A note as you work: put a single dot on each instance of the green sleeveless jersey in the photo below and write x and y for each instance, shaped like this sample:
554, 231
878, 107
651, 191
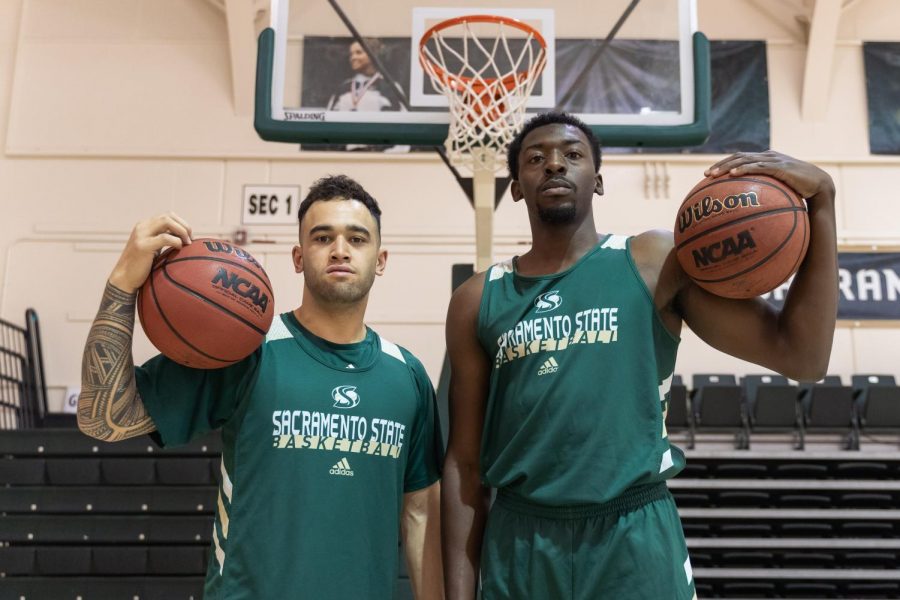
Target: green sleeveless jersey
319, 443
582, 366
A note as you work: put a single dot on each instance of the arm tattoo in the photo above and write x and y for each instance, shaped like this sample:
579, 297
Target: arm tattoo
110, 407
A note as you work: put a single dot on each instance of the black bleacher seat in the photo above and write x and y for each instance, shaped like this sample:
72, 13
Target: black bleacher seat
694, 529
805, 529
128, 471
740, 469
177, 560
119, 560
866, 500
686, 498
801, 470
694, 470
22, 471
744, 529
746, 558
16, 560
828, 406
870, 559
804, 499
717, 405
876, 529
807, 560
878, 402
748, 498
880, 589
677, 413
810, 589
73, 471
62, 560
185, 471
773, 405
862, 470
746, 589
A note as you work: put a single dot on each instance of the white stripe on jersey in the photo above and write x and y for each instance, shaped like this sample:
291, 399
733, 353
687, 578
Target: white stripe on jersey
278, 330
226, 482
615, 242
220, 554
392, 349
500, 269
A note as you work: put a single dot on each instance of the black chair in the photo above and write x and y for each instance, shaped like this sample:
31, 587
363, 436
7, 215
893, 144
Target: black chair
828, 407
716, 405
877, 402
677, 412
772, 405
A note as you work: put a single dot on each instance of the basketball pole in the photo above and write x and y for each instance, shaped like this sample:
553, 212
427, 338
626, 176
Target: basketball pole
483, 191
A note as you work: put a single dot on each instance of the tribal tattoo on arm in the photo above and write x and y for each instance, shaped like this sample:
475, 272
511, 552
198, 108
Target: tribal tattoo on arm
110, 407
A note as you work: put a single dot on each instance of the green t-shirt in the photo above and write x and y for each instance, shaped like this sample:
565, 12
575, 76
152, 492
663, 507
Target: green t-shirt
319, 443
582, 366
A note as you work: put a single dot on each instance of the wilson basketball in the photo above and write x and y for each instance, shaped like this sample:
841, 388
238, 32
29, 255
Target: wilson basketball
207, 305
740, 237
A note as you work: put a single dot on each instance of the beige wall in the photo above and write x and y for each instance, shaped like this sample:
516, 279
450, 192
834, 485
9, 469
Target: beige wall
115, 110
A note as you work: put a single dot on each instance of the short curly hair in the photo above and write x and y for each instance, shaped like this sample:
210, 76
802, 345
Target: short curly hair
549, 118
339, 187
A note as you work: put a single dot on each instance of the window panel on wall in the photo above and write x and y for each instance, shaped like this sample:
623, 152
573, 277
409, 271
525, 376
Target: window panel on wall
882, 67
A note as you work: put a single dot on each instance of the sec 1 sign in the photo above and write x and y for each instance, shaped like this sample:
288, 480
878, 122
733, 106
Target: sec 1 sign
270, 204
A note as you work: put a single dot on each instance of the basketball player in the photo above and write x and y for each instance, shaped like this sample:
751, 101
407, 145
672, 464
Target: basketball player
562, 360
331, 446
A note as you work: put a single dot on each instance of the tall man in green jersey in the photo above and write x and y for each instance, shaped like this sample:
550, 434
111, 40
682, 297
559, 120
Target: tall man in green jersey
562, 359
331, 446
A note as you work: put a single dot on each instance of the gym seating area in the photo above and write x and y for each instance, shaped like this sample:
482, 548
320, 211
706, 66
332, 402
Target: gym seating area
83, 518
789, 491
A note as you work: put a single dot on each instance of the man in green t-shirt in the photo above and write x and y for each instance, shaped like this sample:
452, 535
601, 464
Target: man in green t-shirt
331, 448
562, 360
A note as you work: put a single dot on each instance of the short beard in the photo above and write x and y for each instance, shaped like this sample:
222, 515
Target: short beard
557, 215
340, 293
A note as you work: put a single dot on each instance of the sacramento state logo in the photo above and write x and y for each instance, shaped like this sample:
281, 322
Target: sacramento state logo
345, 396
547, 301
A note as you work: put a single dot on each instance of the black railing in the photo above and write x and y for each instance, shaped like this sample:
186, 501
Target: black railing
23, 391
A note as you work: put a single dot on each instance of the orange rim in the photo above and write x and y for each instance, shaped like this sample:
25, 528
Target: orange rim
510, 81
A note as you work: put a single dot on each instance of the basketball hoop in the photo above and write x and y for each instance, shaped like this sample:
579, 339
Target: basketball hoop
487, 79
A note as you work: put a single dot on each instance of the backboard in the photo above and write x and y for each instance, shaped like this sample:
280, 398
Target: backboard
348, 72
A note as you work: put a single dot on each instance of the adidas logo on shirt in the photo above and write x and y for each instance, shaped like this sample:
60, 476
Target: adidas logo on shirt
549, 366
342, 467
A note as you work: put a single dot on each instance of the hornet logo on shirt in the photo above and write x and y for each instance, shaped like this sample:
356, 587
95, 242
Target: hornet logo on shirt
345, 396
548, 301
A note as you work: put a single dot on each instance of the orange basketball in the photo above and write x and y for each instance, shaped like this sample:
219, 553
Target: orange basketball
207, 305
740, 237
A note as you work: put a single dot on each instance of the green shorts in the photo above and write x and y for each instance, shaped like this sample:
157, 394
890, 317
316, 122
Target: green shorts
631, 547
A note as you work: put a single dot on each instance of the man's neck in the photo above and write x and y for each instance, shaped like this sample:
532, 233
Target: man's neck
336, 323
556, 248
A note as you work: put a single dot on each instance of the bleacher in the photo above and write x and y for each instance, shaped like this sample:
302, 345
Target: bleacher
790, 491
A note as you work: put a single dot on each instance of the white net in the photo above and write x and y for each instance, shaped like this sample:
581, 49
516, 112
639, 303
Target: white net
487, 67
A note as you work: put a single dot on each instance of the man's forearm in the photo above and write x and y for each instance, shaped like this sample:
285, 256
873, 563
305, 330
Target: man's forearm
811, 307
421, 528
464, 507
109, 407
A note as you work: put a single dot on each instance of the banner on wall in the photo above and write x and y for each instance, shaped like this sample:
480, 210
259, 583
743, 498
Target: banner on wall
869, 285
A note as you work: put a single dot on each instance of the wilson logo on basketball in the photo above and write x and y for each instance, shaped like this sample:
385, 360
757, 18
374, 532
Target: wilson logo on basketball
230, 280
548, 301
345, 396
719, 251
217, 246
709, 206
